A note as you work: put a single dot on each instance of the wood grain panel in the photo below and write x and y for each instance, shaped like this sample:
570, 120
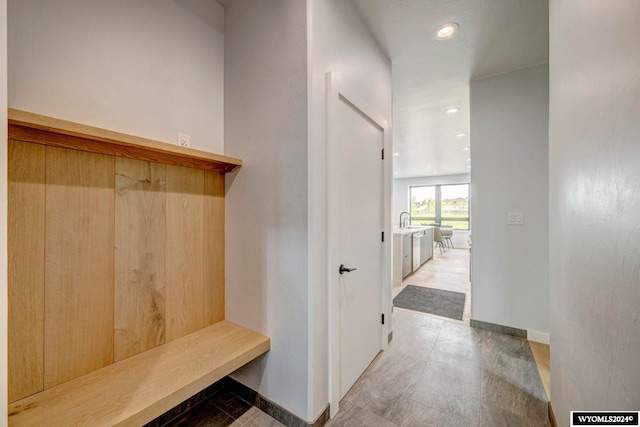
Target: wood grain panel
30, 127
38, 136
26, 268
139, 257
79, 262
213, 248
140, 388
542, 355
184, 290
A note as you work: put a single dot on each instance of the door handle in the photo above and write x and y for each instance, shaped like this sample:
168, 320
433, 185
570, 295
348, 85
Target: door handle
345, 269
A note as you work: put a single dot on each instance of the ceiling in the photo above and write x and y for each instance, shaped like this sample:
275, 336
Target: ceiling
430, 76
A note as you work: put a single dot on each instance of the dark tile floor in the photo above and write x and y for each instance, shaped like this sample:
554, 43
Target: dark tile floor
223, 409
439, 373
434, 373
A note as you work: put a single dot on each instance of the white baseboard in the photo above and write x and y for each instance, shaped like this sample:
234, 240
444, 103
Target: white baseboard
541, 337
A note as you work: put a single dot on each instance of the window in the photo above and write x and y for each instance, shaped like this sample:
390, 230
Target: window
454, 206
423, 203
444, 204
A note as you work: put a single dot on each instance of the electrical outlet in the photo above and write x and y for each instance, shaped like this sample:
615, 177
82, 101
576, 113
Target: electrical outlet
515, 218
184, 140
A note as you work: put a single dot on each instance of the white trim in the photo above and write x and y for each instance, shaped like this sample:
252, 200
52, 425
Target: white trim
312, 304
335, 93
541, 337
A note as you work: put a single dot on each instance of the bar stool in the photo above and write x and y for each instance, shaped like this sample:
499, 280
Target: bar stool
437, 237
447, 234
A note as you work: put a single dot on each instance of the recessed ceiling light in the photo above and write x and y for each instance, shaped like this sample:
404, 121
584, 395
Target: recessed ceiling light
395, 173
452, 110
461, 134
446, 31
468, 160
465, 149
396, 154
435, 172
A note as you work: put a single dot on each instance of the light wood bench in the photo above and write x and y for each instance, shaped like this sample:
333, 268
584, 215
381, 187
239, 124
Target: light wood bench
136, 390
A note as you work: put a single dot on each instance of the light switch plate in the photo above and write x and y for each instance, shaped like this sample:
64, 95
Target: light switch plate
515, 218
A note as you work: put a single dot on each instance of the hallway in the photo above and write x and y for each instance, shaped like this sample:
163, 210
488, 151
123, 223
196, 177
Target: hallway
439, 373
448, 271
436, 371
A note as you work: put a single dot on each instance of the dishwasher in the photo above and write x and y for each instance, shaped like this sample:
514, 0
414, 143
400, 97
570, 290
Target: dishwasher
407, 261
417, 237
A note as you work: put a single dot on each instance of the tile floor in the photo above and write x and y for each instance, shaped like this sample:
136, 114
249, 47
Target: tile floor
439, 373
435, 372
224, 409
448, 271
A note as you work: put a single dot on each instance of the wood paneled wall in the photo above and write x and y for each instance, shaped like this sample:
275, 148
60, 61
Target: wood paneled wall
108, 257
26, 278
140, 256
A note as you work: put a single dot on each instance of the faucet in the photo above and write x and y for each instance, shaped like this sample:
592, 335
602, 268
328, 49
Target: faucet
404, 224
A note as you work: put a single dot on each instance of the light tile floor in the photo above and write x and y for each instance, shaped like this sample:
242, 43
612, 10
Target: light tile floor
448, 271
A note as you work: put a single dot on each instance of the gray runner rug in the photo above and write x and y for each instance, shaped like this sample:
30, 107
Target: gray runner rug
433, 301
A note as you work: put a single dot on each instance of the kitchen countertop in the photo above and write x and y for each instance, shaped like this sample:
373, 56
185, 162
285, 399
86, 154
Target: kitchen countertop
410, 230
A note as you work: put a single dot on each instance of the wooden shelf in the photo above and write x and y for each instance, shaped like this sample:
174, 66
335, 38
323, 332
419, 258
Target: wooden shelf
136, 390
35, 128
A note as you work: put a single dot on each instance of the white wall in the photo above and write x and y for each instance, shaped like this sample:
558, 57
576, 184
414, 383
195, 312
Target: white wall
401, 199
594, 205
150, 68
339, 42
509, 143
3, 214
266, 202
277, 54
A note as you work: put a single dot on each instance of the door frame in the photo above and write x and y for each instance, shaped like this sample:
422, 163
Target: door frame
336, 92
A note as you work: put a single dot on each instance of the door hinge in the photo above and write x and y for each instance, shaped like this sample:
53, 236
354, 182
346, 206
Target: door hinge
383, 154
383, 236
383, 318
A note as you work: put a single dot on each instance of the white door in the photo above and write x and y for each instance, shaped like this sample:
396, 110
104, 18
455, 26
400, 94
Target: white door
360, 225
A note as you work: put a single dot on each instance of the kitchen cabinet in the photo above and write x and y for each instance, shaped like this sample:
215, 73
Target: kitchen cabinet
412, 247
